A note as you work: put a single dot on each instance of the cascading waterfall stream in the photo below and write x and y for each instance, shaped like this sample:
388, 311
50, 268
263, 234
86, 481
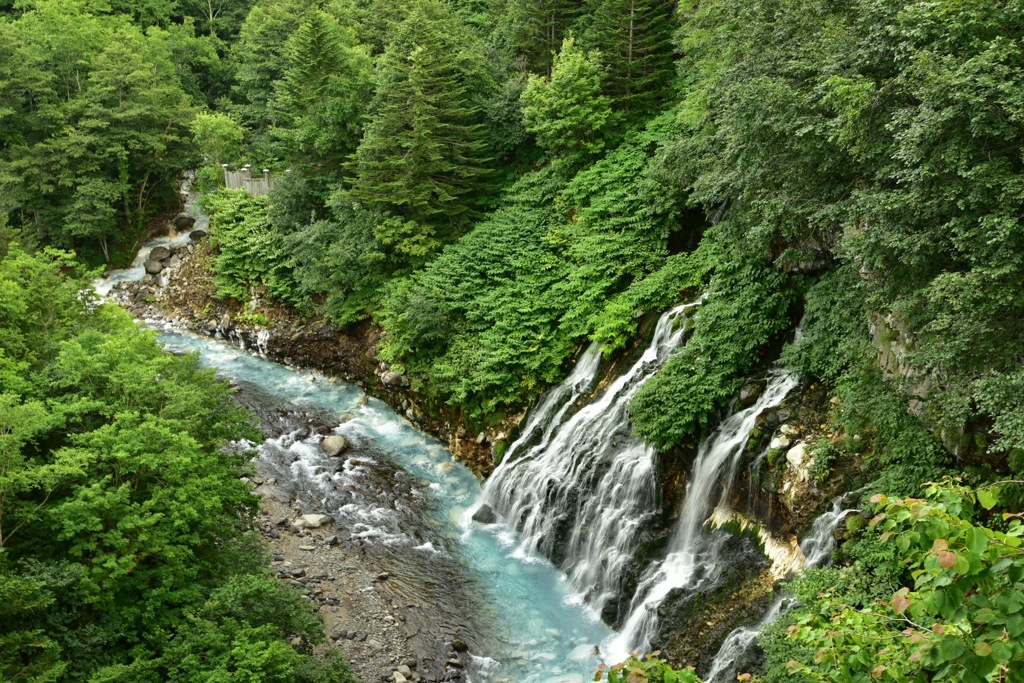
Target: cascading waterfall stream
693, 557
582, 486
817, 548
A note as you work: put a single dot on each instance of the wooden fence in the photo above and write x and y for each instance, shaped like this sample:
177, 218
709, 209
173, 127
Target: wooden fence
243, 180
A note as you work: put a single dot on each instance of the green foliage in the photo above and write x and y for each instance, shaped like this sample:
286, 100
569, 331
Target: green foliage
959, 618
260, 55
95, 126
645, 668
491, 322
568, 112
322, 95
423, 159
747, 307
339, 263
219, 139
250, 250
125, 542
634, 39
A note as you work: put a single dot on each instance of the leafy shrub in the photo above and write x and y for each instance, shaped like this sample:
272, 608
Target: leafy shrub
747, 306
251, 251
958, 618
645, 668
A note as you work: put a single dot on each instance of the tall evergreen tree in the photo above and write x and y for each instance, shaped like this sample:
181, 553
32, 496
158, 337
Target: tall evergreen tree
424, 156
322, 94
567, 112
538, 29
634, 38
260, 57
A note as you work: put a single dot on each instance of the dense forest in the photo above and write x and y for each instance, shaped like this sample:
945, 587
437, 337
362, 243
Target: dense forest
494, 183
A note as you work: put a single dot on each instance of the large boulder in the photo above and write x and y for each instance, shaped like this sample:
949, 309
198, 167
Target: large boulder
313, 521
485, 515
197, 235
333, 445
393, 379
160, 254
152, 267
184, 221
751, 391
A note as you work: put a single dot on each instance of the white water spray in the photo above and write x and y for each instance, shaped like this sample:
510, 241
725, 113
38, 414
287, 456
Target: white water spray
817, 548
693, 553
582, 485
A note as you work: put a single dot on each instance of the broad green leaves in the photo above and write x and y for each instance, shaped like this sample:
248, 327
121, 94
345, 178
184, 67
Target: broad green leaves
963, 617
125, 551
569, 112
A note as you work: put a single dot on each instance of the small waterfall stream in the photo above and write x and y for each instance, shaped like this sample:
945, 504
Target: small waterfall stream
579, 489
817, 548
693, 555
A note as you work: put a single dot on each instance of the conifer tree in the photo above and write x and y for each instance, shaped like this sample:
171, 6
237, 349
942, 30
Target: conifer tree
424, 155
322, 94
568, 112
634, 38
539, 27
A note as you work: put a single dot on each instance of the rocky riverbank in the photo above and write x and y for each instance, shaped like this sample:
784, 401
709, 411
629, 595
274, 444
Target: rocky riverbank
396, 619
362, 590
182, 291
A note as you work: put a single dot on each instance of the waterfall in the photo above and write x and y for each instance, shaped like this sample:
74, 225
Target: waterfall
693, 554
817, 548
737, 644
819, 543
580, 484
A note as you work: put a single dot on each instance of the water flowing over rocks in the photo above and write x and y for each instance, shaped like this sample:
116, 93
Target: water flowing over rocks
576, 486
573, 483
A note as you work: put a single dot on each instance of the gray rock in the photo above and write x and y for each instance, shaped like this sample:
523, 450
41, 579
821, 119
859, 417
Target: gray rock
160, 254
313, 521
331, 540
481, 438
750, 392
152, 267
270, 491
411, 663
459, 645
333, 445
397, 677
184, 221
485, 515
307, 547
174, 262
393, 379
405, 671
197, 235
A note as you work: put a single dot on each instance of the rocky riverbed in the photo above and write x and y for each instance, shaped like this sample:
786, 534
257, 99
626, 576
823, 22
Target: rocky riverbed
399, 612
